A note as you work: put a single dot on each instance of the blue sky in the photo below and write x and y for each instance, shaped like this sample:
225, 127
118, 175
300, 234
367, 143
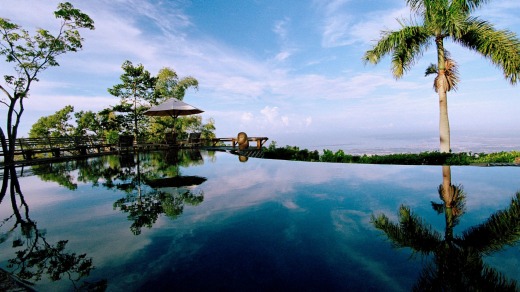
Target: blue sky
288, 70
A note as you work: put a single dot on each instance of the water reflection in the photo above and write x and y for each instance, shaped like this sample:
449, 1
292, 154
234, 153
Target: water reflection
457, 260
35, 256
152, 182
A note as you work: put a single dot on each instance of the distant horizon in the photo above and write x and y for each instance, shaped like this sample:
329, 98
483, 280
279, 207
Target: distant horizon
405, 143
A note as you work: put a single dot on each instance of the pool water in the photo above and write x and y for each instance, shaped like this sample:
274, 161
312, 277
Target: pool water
206, 221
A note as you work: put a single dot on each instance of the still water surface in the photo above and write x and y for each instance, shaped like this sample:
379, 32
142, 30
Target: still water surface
205, 221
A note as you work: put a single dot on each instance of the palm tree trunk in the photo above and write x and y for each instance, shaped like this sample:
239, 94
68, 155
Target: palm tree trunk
444, 124
447, 197
442, 88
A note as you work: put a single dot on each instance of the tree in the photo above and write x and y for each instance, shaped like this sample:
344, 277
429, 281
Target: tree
87, 122
457, 262
31, 55
169, 85
447, 20
55, 125
135, 91
34, 255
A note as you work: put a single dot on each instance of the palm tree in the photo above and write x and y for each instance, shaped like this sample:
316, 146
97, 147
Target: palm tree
457, 263
446, 20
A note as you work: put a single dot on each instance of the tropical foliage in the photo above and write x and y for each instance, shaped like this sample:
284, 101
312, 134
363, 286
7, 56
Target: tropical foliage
56, 125
441, 21
136, 91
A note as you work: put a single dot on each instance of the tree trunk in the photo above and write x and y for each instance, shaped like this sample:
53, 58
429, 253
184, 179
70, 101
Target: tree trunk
442, 88
447, 197
444, 124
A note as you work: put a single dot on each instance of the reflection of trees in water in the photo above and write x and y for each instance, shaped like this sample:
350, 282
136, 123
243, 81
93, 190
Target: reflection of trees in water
457, 263
143, 210
108, 171
34, 255
144, 204
137, 176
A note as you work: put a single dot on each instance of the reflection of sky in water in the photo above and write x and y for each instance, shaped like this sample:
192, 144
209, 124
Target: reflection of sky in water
267, 223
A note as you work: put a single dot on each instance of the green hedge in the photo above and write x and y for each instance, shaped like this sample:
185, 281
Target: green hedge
423, 158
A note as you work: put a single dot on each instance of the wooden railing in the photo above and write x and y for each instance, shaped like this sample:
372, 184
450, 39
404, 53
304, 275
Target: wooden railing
29, 149
56, 147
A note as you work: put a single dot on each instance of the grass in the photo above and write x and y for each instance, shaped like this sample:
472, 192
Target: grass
423, 158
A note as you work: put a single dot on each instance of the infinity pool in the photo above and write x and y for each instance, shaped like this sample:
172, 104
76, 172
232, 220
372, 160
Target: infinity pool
206, 221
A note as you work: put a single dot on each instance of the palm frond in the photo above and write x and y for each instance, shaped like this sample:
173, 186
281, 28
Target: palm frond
468, 5
491, 280
461, 271
432, 69
450, 71
405, 45
439, 208
502, 228
415, 5
501, 47
455, 201
410, 232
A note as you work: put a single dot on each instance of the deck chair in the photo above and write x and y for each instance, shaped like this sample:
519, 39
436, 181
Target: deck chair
171, 139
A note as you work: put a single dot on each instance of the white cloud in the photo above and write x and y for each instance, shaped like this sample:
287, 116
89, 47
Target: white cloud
280, 28
270, 113
246, 117
285, 120
336, 31
283, 55
369, 29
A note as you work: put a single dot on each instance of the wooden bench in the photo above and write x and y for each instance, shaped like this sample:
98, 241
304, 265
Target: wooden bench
260, 141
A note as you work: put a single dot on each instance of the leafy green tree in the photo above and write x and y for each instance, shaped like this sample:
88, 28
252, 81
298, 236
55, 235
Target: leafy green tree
87, 122
30, 56
169, 85
55, 125
136, 92
208, 130
446, 20
111, 124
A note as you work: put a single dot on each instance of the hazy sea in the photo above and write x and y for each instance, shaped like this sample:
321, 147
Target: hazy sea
389, 144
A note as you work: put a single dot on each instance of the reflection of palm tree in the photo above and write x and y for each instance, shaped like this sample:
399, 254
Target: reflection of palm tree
457, 260
35, 256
